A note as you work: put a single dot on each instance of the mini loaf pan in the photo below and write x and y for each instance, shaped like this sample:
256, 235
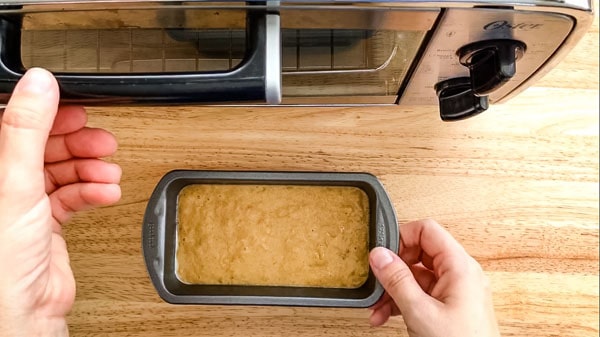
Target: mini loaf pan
159, 241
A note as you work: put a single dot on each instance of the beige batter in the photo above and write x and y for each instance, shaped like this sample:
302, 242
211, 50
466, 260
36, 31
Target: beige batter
280, 235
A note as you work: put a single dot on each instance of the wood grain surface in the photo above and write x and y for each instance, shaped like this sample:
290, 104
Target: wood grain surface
517, 185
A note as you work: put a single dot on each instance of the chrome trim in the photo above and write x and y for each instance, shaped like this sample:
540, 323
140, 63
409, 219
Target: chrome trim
294, 17
273, 60
585, 5
583, 19
543, 33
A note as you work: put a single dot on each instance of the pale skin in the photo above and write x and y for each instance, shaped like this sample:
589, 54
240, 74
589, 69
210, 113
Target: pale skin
434, 284
51, 168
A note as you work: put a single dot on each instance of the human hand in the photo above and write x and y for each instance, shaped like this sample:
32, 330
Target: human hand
47, 172
434, 284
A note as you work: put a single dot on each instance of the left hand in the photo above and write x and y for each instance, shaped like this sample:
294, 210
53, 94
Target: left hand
49, 169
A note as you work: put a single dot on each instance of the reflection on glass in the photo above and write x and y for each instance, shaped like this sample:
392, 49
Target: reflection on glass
356, 62
344, 61
129, 41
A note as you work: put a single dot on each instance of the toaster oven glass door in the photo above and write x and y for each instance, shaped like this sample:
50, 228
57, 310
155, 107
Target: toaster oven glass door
329, 54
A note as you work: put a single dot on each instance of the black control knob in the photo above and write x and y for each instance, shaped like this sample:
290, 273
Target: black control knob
458, 100
491, 63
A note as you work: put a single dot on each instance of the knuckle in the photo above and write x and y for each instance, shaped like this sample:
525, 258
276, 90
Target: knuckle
479, 274
429, 223
474, 266
397, 278
23, 116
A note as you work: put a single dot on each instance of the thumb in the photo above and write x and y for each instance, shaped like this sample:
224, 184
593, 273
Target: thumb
25, 126
397, 280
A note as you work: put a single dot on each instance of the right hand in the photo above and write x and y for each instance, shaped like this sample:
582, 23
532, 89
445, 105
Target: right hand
434, 284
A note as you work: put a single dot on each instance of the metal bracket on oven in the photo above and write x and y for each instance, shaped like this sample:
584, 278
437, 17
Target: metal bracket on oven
273, 60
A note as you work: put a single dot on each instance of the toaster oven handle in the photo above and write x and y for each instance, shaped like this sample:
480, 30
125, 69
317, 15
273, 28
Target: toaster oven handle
257, 78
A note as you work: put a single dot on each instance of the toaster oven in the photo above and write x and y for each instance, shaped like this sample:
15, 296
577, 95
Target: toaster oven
459, 55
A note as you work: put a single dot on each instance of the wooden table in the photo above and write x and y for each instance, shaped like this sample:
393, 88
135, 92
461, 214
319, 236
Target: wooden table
517, 185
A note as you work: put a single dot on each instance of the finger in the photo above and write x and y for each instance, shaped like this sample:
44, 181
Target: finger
82, 196
397, 280
388, 300
80, 170
381, 302
381, 315
415, 255
427, 261
430, 239
26, 122
84, 143
68, 119
425, 278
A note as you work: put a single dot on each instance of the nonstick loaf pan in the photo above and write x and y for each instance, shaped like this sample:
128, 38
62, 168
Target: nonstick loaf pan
325, 212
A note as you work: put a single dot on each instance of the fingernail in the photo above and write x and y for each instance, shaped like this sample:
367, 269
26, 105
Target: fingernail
381, 257
36, 81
